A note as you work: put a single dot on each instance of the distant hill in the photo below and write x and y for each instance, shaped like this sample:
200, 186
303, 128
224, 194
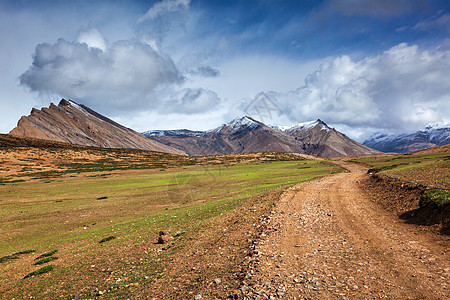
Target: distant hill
246, 135
77, 124
431, 136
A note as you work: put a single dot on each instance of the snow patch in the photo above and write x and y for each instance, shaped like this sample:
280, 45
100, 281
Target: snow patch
74, 104
237, 125
281, 128
177, 132
303, 126
437, 126
244, 122
438, 133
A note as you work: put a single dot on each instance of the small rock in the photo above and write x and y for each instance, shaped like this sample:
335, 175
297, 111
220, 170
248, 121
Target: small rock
197, 297
163, 237
217, 281
236, 295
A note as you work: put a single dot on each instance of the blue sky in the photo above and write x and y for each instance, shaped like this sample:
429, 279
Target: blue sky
361, 66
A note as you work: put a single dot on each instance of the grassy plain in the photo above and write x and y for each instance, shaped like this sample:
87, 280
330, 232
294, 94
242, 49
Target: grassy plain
209, 206
430, 168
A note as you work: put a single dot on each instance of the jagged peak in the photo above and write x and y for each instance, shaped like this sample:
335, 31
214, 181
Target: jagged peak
63, 102
69, 102
243, 121
305, 125
437, 125
238, 123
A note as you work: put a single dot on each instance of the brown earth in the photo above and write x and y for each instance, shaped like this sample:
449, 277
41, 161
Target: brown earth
440, 149
403, 199
327, 240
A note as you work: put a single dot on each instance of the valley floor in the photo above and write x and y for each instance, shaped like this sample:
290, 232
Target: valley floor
327, 240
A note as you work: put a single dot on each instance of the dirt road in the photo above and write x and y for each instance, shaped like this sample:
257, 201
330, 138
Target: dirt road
327, 240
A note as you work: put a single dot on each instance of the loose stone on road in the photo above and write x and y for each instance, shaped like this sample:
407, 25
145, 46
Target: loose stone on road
327, 240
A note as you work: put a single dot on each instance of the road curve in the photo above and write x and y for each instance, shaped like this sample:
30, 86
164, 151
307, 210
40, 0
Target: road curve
327, 240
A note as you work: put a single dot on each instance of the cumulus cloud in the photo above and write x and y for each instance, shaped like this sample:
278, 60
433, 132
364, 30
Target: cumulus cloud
403, 88
127, 75
164, 7
92, 37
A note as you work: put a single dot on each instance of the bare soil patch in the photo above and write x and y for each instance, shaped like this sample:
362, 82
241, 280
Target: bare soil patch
403, 199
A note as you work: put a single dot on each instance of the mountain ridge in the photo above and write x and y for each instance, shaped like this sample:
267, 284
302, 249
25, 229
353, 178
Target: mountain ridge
246, 134
432, 136
77, 124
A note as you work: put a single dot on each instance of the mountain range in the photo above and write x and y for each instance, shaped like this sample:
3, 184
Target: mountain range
432, 136
249, 135
75, 123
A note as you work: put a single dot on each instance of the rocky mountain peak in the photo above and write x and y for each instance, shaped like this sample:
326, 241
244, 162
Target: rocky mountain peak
63, 102
245, 135
433, 135
75, 123
245, 121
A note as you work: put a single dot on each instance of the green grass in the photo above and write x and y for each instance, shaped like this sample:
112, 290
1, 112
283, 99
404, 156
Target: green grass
16, 255
427, 169
40, 271
435, 198
45, 260
46, 254
74, 214
106, 239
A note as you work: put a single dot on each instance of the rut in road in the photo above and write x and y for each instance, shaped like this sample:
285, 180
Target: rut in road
329, 241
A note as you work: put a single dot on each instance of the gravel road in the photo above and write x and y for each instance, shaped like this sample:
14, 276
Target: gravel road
327, 240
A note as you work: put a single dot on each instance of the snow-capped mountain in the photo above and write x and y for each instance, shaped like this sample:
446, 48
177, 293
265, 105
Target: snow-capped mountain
432, 136
303, 126
177, 132
244, 135
238, 125
319, 139
75, 123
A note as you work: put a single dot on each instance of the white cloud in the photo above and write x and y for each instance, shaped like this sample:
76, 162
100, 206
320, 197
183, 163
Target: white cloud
403, 88
126, 76
165, 7
92, 37
437, 21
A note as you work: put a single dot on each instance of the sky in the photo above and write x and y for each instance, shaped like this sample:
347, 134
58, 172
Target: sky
361, 66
